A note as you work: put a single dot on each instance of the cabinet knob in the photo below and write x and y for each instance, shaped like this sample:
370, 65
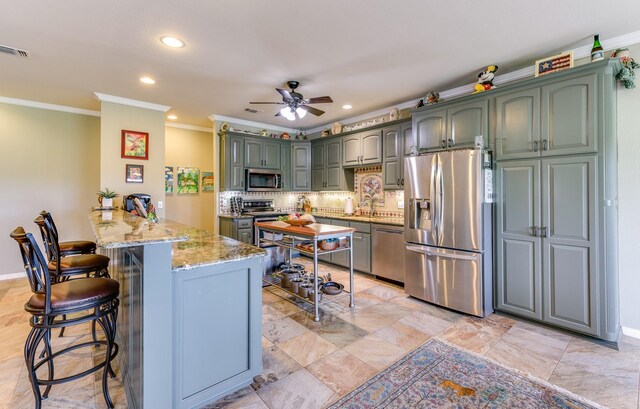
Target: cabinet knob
544, 232
402, 181
444, 143
451, 142
398, 181
535, 146
534, 231
545, 145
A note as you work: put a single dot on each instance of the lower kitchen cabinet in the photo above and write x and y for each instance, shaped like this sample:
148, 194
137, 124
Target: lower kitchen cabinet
240, 229
361, 245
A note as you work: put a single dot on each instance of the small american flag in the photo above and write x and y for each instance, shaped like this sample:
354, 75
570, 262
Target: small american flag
554, 64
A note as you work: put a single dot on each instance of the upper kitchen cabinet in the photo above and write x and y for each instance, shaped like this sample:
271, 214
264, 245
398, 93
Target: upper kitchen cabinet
430, 128
327, 172
286, 153
406, 131
261, 154
453, 126
363, 148
557, 118
301, 166
231, 162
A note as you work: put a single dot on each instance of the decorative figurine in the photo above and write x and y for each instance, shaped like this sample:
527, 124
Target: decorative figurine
264, 132
336, 128
420, 104
325, 132
432, 97
626, 75
394, 114
485, 79
284, 135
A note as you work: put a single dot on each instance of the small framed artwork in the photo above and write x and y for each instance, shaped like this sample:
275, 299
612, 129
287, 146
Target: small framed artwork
554, 63
134, 145
188, 180
168, 180
207, 181
135, 173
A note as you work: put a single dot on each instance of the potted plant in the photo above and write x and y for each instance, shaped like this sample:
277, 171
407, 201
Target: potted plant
105, 197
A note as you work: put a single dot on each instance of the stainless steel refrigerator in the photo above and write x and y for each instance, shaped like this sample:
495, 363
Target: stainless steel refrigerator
448, 231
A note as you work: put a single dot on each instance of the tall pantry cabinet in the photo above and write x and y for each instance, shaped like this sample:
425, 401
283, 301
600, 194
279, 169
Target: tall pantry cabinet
556, 200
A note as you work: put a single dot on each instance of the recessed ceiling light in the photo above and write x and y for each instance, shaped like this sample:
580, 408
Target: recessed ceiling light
147, 80
172, 42
172, 117
347, 106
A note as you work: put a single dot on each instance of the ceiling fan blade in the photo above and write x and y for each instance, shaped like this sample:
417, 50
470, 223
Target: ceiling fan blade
318, 100
285, 94
312, 110
278, 114
278, 103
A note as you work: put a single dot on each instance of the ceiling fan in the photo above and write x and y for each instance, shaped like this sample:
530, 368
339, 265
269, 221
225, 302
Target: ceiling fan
296, 104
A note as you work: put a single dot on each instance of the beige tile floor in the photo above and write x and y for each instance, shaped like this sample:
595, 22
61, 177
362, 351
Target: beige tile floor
310, 365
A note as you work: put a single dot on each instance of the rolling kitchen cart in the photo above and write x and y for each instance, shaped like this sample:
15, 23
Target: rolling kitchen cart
293, 236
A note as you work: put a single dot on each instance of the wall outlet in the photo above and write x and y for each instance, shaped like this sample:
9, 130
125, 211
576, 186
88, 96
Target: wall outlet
401, 203
160, 204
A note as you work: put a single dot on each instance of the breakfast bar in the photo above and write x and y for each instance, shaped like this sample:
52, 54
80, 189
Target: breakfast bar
189, 327
315, 233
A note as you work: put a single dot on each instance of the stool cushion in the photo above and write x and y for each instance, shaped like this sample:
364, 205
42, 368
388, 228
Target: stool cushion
77, 247
82, 262
75, 294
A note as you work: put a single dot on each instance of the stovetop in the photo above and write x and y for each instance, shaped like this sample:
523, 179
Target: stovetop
271, 212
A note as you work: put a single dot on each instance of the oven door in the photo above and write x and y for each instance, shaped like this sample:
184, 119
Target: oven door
260, 180
257, 234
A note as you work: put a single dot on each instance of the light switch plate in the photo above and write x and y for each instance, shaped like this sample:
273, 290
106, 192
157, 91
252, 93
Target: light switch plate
160, 204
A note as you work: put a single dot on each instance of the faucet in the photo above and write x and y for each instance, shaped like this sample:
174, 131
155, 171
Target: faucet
372, 205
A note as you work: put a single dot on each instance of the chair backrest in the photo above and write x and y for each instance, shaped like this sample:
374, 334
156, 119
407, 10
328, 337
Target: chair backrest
34, 264
49, 238
47, 216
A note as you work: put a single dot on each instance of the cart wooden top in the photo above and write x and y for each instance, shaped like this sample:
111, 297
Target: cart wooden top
310, 230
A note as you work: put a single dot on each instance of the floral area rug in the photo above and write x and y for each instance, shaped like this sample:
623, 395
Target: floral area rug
438, 375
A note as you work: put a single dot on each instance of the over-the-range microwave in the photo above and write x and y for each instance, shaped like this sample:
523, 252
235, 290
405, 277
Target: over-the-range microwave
263, 180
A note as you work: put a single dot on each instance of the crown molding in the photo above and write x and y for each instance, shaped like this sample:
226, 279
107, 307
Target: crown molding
238, 121
131, 102
187, 126
50, 107
624, 40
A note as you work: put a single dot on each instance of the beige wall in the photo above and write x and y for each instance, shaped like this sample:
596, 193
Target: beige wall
115, 118
48, 161
189, 148
629, 199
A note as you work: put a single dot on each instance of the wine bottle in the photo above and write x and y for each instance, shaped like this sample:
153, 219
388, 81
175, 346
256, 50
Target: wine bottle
597, 53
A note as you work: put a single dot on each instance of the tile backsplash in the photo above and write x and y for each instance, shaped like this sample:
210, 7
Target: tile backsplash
367, 180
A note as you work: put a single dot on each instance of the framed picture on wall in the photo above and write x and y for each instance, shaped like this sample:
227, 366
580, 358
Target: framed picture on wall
134, 145
168, 180
207, 181
135, 173
188, 180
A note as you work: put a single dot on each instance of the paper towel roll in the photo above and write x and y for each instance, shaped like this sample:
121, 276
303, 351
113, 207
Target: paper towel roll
348, 206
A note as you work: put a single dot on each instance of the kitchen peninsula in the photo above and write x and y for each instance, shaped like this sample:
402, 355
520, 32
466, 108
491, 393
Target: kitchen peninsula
189, 326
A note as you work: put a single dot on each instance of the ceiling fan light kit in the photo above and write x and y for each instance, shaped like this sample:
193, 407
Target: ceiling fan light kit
296, 104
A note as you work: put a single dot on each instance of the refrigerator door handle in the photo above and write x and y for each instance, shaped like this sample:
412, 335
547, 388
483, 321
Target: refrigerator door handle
434, 199
418, 249
440, 202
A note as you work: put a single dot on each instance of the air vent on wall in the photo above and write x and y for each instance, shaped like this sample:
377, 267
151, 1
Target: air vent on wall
15, 51
252, 110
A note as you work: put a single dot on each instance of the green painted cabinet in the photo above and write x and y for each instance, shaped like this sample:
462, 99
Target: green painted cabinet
327, 172
363, 148
240, 229
301, 166
231, 162
392, 158
430, 129
261, 154
286, 171
558, 118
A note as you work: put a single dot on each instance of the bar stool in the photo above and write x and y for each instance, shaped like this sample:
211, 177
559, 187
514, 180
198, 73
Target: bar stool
86, 299
69, 248
63, 267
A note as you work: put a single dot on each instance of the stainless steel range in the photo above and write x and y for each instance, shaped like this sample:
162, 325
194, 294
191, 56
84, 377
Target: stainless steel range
263, 211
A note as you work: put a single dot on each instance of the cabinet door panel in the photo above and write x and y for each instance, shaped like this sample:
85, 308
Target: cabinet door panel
236, 165
301, 166
334, 179
518, 251
406, 133
391, 175
285, 166
341, 258
392, 155
429, 129
317, 179
569, 116
245, 235
351, 150
466, 121
317, 156
371, 145
252, 154
569, 194
518, 124
271, 155
334, 150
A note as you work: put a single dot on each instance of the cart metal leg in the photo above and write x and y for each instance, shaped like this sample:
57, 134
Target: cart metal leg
315, 277
351, 280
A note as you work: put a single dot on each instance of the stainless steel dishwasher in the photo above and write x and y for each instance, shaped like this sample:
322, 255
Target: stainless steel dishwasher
388, 251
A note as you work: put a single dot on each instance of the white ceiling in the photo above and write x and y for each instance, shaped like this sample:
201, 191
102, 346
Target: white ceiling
368, 53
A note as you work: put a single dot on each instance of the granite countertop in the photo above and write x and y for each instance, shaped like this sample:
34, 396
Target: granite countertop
395, 221
233, 216
191, 247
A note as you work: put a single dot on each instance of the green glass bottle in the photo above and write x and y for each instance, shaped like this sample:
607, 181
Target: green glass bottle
597, 53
